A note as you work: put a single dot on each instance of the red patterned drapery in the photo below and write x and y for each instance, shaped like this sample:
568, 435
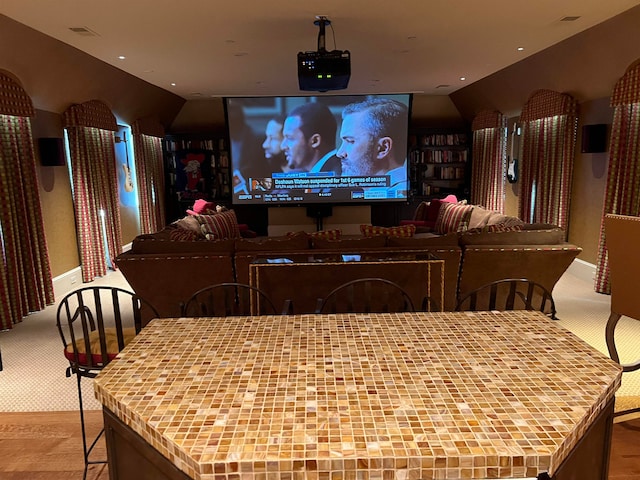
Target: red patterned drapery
622, 190
25, 273
90, 128
147, 145
489, 154
549, 128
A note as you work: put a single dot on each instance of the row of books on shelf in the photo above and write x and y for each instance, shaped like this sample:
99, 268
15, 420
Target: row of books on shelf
443, 173
439, 156
438, 139
427, 189
216, 162
185, 144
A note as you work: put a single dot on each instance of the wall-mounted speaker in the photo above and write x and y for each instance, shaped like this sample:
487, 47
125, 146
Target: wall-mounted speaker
594, 138
51, 152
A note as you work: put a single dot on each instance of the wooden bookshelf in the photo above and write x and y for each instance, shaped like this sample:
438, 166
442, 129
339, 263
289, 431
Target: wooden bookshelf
196, 166
439, 162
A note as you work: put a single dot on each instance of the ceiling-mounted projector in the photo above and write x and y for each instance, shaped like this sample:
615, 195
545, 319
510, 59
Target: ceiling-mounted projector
324, 70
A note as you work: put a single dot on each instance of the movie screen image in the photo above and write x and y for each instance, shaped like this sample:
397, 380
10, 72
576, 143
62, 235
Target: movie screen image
322, 149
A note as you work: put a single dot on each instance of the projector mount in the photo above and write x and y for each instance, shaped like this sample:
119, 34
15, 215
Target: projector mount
321, 21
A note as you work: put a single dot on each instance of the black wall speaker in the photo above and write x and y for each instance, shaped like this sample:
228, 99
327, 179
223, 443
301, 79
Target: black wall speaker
594, 138
51, 152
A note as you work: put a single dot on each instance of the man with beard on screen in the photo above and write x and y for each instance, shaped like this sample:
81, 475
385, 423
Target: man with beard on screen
309, 139
374, 143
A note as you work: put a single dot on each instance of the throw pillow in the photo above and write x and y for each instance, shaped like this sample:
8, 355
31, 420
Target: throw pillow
479, 217
453, 217
219, 226
181, 234
498, 227
421, 211
188, 223
401, 231
433, 208
327, 234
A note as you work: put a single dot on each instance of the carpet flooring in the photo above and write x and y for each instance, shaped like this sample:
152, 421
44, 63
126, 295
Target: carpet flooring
33, 379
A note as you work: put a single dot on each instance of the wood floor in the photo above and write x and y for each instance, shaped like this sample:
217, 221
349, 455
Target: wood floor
48, 446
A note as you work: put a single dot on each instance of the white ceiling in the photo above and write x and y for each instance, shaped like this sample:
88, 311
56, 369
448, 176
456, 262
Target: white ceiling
249, 47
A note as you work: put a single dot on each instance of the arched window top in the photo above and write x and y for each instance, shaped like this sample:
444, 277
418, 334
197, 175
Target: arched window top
13, 98
148, 126
548, 103
93, 113
488, 119
627, 89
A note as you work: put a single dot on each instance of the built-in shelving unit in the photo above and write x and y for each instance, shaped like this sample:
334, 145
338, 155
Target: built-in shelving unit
439, 162
196, 166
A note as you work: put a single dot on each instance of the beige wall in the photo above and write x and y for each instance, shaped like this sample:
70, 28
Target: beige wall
56, 76
586, 66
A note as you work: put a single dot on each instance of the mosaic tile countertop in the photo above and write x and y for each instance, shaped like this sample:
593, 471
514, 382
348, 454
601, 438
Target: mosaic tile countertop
360, 396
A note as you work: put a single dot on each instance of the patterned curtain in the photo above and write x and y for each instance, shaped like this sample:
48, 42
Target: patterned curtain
147, 146
622, 190
25, 274
489, 155
549, 120
90, 128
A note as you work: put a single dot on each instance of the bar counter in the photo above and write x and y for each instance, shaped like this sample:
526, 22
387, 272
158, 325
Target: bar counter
360, 396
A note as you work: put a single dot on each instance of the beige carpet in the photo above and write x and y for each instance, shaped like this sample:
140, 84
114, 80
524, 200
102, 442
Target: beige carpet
34, 367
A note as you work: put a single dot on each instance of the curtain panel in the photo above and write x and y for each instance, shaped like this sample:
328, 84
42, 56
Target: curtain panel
25, 275
147, 144
549, 130
622, 190
488, 166
90, 128
150, 176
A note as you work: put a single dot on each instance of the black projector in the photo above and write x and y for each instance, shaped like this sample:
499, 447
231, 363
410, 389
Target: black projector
323, 70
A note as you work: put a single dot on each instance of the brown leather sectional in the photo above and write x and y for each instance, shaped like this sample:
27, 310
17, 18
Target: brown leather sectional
166, 272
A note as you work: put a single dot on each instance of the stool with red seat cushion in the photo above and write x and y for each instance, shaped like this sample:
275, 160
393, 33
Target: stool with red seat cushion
95, 324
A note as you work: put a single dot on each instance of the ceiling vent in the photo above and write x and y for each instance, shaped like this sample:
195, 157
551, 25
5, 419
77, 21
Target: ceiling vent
443, 86
569, 19
84, 31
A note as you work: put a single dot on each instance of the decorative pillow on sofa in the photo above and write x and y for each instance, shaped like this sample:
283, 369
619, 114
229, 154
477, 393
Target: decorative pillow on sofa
433, 208
326, 234
498, 227
190, 222
507, 220
182, 234
479, 217
219, 226
401, 231
453, 217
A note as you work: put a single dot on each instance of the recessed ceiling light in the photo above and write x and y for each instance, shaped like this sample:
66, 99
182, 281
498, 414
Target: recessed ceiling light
173, 84
463, 78
520, 49
121, 57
